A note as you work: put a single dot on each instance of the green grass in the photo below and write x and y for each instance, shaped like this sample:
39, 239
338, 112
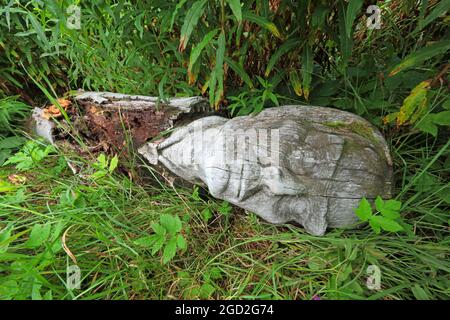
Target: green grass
233, 255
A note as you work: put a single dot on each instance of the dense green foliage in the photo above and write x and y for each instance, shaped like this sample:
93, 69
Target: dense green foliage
135, 242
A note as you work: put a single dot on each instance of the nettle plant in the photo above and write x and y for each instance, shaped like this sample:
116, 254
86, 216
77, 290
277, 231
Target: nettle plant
104, 166
230, 34
386, 218
30, 155
167, 235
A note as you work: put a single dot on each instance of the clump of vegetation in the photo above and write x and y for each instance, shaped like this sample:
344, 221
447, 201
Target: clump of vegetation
145, 241
387, 219
12, 114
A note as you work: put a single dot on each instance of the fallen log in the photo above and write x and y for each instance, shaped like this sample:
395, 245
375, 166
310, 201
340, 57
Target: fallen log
304, 164
110, 118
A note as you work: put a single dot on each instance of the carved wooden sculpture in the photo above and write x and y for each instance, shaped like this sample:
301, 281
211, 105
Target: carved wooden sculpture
309, 165
304, 164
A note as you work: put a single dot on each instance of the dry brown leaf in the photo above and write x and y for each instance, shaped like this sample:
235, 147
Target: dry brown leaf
66, 248
17, 179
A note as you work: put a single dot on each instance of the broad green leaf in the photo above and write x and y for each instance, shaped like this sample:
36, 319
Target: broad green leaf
419, 293
353, 8
375, 226
157, 244
218, 69
389, 209
426, 124
195, 54
286, 47
39, 234
171, 223
307, 69
195, 194
215, 273
225, 208
235, 6
262, 22
6, 186
158, 229
181, 242
429, 123
421, 55
442, 118
364, 211
170, 250
99, 174
239, 70
191, 20
386, 224
206, 290
113, 164
206, 215
102, 161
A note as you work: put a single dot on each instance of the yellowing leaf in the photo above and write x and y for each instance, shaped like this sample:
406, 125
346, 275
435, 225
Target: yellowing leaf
389, 118
218, 73
195, 54
296, 83
415, 104
262, 22
421, 55
307, 69
190, 22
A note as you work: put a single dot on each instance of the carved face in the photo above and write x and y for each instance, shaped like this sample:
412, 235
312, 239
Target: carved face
283, 164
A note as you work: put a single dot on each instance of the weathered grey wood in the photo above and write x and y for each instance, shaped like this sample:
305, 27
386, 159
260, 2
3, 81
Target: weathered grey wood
322, 163
304, 164
105, 114
114, 101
